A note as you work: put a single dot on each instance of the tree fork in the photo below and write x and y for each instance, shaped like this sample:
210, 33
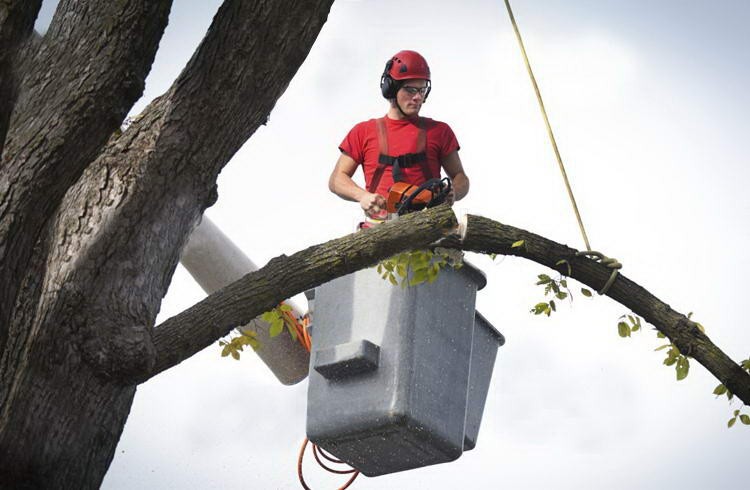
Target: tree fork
74, 93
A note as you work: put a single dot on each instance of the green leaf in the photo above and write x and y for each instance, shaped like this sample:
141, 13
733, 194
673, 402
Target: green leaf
731, 422
419, 277
276, 328
660, 335
720, 390
586, 292
402, 270
623, 330
292, 331
493, 256
561, 295
431, 275
539, 308
269, 316
682, 368
248, 338
519, 243
563, 283
552, 305
745, 419
285, 307
544, 279
662, 347
392, 279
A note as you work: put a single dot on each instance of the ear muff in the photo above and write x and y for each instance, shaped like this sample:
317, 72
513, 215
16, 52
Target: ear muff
388, 86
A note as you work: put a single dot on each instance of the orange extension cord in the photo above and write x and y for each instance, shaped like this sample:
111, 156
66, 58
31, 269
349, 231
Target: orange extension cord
303, 336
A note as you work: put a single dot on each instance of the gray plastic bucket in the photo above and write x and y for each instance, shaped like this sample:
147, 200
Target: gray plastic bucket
390, 370
483, 354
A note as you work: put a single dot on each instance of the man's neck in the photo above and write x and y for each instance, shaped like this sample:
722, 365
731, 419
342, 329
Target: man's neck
395, 113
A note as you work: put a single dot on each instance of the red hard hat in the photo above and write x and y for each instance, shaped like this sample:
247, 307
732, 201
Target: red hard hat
404, 65
408, 65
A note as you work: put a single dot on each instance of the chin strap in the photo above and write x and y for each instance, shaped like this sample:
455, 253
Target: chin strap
395, 101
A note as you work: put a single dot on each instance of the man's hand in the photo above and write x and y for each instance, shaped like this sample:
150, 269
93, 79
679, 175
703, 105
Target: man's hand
373, 205
451, 197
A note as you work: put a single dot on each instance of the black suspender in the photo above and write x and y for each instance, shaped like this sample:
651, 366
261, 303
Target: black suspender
400, 161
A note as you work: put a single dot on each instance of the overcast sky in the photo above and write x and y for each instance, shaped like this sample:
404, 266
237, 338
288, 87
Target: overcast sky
648, 100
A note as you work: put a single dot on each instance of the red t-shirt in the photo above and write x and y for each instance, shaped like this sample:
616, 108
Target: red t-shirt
362, 145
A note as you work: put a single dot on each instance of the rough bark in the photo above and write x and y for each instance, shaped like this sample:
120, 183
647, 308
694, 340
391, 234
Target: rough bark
16, 24
151, 185
86, 74
93, 260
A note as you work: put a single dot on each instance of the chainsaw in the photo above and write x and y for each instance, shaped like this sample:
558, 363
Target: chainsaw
405, 198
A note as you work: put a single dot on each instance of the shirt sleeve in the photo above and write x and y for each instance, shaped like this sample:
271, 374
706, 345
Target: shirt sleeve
352, 144
448, 141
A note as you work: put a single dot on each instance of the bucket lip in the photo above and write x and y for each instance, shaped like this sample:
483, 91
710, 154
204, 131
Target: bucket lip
493, 331
476, 274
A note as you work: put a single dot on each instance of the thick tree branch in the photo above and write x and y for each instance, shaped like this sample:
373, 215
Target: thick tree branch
197, 327
151, 184
16, 24
88, 71
183, 335
244, 64
487, 236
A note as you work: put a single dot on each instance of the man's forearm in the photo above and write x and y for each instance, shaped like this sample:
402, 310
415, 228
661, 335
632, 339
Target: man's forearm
460, 186
343, 186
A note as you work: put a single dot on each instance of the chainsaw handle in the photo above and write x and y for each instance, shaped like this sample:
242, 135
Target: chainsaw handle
445, 188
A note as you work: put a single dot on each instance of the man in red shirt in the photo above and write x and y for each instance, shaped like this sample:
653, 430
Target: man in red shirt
402, 146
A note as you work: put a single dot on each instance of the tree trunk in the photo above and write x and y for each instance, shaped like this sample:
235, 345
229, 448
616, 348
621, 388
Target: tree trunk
92, 221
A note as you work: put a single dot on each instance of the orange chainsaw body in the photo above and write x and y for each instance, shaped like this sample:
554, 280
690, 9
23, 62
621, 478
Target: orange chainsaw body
400, 191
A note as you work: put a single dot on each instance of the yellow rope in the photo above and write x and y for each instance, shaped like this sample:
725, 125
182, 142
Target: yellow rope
549, 128
612, 263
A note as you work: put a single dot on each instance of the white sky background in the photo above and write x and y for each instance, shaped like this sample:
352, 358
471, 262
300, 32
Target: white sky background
648, 101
